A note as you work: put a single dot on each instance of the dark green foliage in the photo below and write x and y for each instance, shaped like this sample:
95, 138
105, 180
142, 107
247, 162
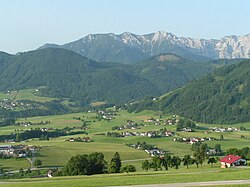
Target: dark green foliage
217, 148
244, 152
93, 163
145, 165
166, 161
156, 163
77, 165
128, 168
49, 108
37, 163
169, 71
115, 164
175, 162
37, 133
65, 74
211, 160
220, 97
69, 75
200, 154
185, 123
187, 160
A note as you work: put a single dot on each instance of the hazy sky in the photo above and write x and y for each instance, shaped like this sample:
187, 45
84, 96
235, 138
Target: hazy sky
28, 24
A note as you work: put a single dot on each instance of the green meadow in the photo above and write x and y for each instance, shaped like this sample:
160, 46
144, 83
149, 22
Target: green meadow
138, 178
57, 151
27, 94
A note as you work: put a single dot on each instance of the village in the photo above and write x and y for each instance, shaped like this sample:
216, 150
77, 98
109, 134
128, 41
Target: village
16, 151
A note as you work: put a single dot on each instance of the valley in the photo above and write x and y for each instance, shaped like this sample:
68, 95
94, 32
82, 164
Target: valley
55, 152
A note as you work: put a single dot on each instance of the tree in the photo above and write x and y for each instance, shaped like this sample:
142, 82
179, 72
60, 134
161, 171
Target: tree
203, 151
197, 159
38, 163
221, 137
145, 165
175, 162
21, 172
115, 164
217, 148
77, 165
128, 168
187, 160
211, 160
166, 161
96, 163
156, 163
234, 151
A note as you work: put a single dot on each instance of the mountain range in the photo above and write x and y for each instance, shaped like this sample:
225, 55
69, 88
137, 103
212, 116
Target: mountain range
66, 74
130, 48
219, 97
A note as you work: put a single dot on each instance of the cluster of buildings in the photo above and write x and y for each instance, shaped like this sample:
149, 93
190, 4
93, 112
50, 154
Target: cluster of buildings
150, 134
228, 129
11, 105
151, 150
79, 139
106, 115
17, 151
193, 140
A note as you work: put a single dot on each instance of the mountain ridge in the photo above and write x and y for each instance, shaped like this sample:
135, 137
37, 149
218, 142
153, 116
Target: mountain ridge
66, 74
221, 97
128, 47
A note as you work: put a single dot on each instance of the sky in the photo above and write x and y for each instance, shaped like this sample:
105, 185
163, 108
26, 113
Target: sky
28, 24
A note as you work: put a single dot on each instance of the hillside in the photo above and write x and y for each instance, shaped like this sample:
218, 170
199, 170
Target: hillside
67, 74
221, 97
129, 48
170, 71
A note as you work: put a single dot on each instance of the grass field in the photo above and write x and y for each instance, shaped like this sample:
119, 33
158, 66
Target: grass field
57, 151
28, 94
159, 177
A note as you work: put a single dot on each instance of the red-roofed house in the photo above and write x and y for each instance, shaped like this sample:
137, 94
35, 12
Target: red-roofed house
232, 160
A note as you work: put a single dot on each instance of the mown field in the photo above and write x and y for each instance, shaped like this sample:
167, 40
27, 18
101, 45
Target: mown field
57, 151
157, 177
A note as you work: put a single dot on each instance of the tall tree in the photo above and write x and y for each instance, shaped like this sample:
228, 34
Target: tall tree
156, 163
96, 163
77, 165
217, 148
176, 162
166, 161
187, 160
115, 164
145, 165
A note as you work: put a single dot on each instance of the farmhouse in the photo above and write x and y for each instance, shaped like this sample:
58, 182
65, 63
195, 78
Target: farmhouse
232, 160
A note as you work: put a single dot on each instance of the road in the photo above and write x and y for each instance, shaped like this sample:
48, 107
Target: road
208, 183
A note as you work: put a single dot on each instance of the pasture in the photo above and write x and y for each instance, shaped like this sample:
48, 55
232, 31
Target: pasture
138, 178
57, 151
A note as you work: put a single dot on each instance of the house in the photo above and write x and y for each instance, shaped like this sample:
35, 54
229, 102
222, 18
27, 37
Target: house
232, 160
49, 173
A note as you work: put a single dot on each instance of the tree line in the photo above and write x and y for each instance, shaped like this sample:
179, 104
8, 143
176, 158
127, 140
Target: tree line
95, 163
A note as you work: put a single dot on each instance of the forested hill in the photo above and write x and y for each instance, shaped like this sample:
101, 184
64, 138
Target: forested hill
66, 74
220, 97
169, 71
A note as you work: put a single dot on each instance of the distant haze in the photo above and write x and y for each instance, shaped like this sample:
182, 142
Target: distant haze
27, 25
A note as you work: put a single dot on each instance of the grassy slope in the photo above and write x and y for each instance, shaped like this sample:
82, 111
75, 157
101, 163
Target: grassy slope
58, 148
160, 177
27, 94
